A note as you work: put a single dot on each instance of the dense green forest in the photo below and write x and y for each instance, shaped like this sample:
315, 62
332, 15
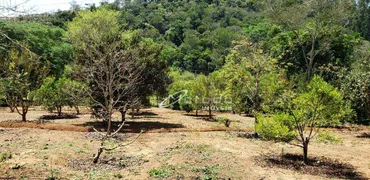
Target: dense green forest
259, 54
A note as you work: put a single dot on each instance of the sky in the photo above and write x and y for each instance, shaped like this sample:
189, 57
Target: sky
40, 6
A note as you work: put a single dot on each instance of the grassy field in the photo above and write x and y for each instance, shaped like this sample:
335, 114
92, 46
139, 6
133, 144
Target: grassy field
175, 145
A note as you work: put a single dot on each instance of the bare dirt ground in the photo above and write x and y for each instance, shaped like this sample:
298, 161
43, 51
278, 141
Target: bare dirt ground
176, 145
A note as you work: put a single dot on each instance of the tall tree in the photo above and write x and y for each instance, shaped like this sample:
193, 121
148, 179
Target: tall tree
362, 18
109, 63
320, 105
247, 67
312, 24
25, 73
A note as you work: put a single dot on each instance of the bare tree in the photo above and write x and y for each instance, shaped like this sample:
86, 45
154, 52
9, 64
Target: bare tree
12, 8
108, 64
114, 76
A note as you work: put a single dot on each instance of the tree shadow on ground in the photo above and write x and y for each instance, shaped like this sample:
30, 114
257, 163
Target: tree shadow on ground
143, 113
132, 126
202, 117
56, 116
364, 135
316, 166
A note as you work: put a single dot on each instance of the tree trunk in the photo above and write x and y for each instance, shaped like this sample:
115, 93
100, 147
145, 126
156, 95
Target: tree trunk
11, 103
123, 114
77, 109
96, 158
309, 72
24, 119
132, 112
305, 152
255, 117
59, 109
12, 108
257, 105
255, 123
109, 130
210, 112
196, 112
311, 60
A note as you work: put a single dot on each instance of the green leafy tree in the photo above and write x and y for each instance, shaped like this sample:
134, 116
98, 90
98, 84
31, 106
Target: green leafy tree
312, 27
198, 93
76, 92
181, 81
248, 71
320, 105
355, 83
362, 18
56, 93
155, 78
206, 93
24, 72
51, 95
47, 42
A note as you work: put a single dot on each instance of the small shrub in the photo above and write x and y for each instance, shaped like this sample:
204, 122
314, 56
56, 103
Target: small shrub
160, 173
224, 121
277, 128
5, 156
329, 138
119, 176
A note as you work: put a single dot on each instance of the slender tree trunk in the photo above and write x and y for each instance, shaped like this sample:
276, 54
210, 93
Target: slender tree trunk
196, 112
59, 109
309, 70
109, 130
311, 60
97, 156
132, 112
255, 123
24, 111
12, 108
123, 114
255, 117
11, 103
256, 104
77, 109
24, 118
305, 152
210, 112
